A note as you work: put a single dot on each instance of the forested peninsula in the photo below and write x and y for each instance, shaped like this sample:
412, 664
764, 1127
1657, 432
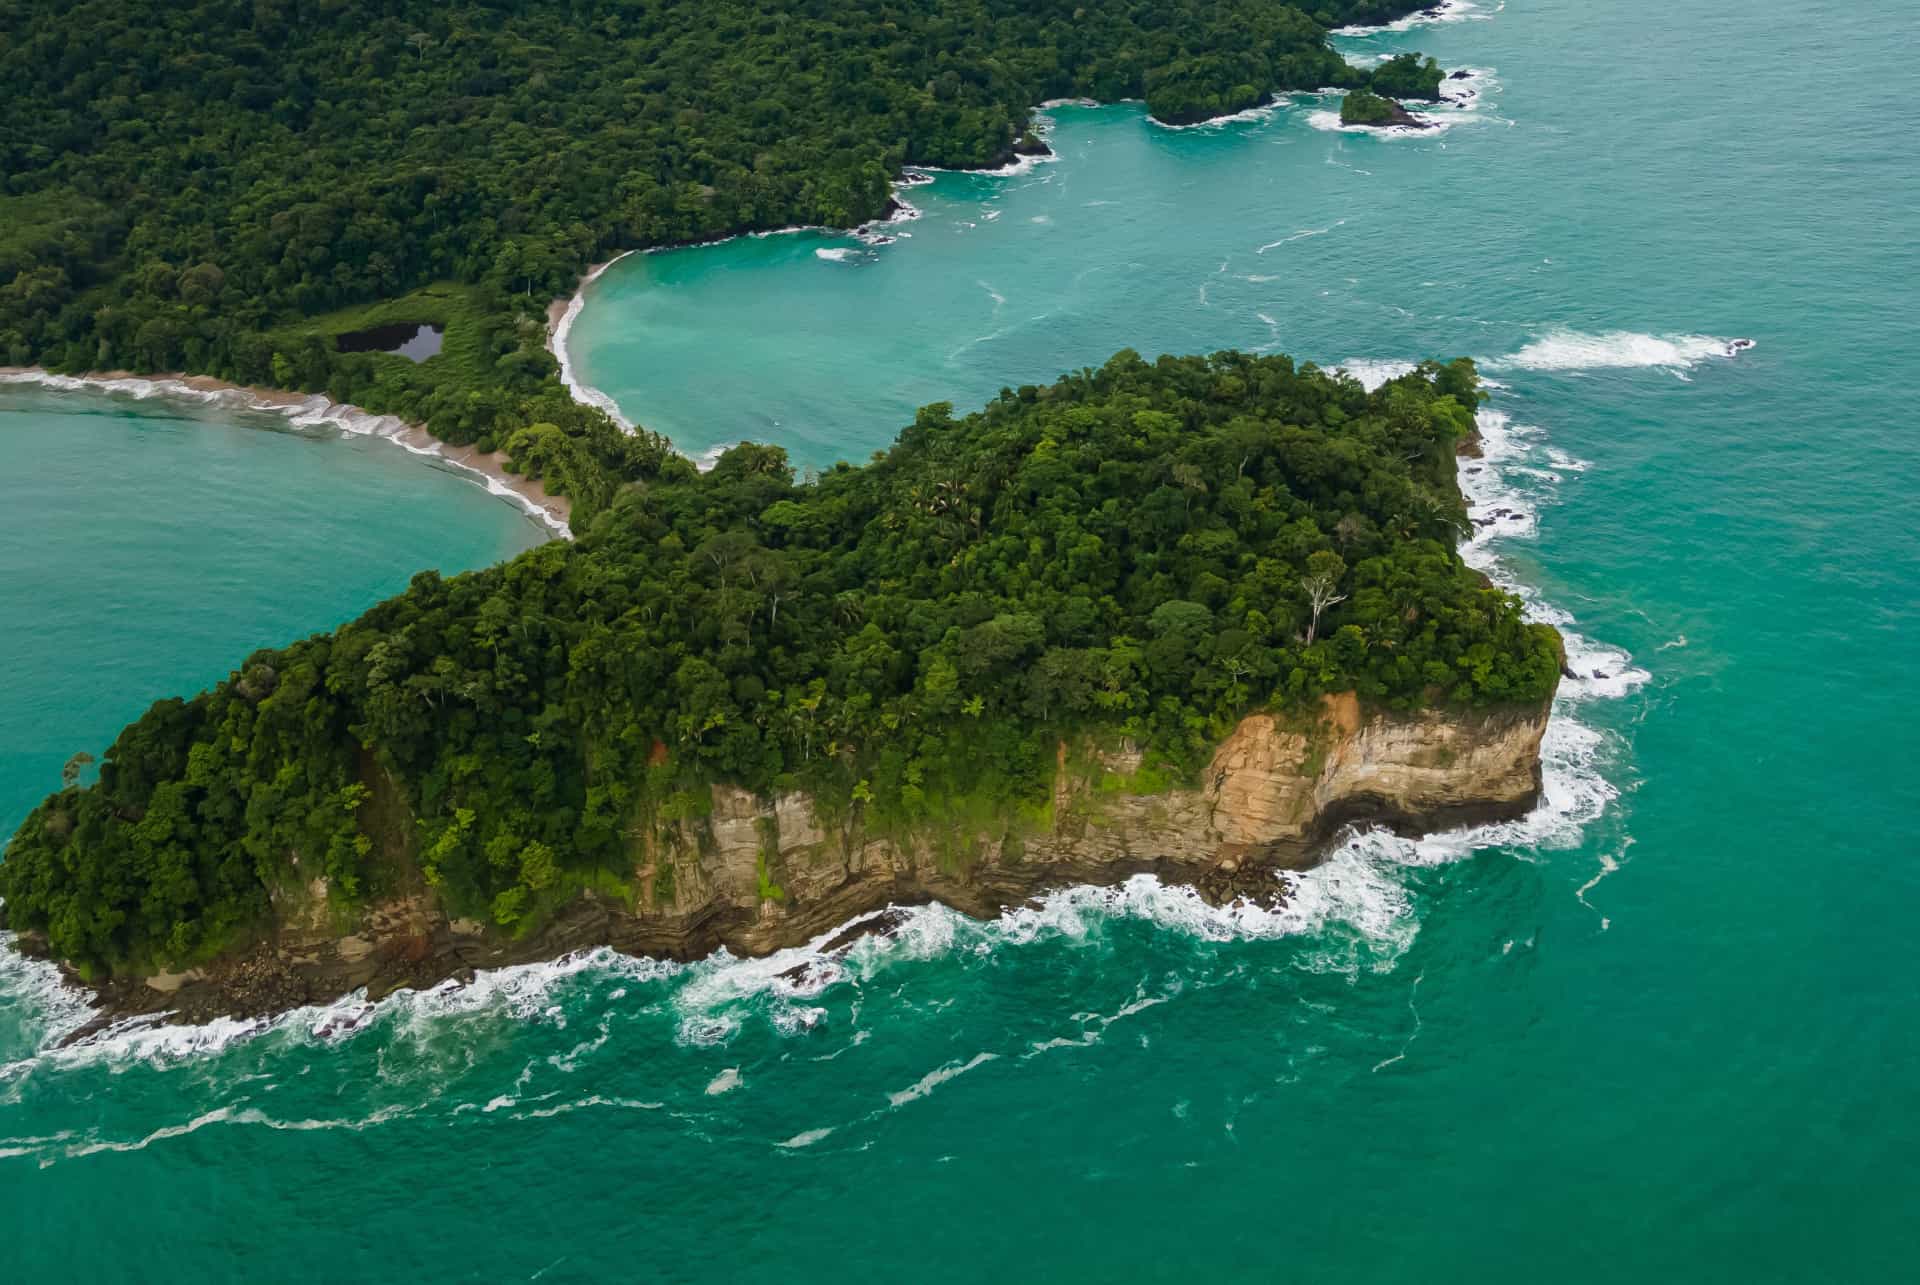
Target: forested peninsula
1122, 569
1188, 615
226, 188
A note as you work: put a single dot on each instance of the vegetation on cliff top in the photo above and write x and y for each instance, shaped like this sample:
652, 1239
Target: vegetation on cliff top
202, 186
1408, 76
1147, 550
1363, 108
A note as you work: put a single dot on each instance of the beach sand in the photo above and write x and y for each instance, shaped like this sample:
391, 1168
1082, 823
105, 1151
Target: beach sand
309, 409
560, 317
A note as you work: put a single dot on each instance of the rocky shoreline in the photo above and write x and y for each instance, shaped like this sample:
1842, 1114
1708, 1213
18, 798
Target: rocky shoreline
1397, 117
1278, 795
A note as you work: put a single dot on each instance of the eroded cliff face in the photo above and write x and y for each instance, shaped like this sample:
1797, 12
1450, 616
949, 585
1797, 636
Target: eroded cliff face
760, 873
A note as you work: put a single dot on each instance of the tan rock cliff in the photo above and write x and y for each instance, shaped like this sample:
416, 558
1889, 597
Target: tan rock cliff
757, 873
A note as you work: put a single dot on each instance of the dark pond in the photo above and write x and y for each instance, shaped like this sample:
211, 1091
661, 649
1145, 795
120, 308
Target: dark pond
407, 339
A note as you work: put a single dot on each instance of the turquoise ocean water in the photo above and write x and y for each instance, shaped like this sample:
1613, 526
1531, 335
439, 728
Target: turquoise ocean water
1665, 1029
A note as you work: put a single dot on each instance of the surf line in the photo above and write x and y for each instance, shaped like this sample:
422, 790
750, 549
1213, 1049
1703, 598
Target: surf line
315, 410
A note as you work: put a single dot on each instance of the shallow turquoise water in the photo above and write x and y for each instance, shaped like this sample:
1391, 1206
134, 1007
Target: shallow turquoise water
148, 546
1441, 1064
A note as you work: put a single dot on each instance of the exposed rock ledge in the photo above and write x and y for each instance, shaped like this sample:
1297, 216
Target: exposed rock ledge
1273, 797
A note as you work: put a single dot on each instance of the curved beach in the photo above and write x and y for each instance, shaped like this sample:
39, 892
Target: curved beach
311, 410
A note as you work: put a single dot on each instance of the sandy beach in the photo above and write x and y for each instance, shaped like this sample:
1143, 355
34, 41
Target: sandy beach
488, 469
560, 318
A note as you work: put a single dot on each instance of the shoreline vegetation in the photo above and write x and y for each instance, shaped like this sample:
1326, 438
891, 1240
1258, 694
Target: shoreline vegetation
118, 254
1375, 111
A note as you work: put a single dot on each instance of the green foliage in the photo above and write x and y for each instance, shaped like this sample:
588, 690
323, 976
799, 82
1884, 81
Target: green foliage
1130, 553
1407, 76
204, 186
1362, 107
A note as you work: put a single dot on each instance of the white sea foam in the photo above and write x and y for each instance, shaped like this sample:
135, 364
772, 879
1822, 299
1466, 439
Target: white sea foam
225, 1115
940, 1075
1460, 104
1301, 235
1444, 12
1412, 1035
42, 1004
1465, 93
1500, 511
1565, 349
312, 411
1372, 373
725, 1082
557, 344
520, 992
806, 1139
1437, 122
591, 1100
874, 233
1094, 1026
1259, 111
1019, 166
793, 1019
836, 254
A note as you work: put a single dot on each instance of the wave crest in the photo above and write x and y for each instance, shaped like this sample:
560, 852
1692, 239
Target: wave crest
1566, 349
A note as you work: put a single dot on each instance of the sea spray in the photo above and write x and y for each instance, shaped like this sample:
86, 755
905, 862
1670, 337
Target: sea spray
1563, 349
1446, 11
1353, 900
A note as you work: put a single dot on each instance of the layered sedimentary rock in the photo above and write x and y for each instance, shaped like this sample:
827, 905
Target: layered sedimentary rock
759, 873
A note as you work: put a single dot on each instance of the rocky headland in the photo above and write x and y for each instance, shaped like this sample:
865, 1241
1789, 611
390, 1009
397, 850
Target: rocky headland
759, 873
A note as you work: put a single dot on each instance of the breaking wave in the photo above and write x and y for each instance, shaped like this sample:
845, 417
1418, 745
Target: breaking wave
1354, 910
1459, 104
557, 344
1371, 373
1564, 349
1443, 12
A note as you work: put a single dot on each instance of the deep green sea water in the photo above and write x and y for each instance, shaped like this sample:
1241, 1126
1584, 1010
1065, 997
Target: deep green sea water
1667, 1029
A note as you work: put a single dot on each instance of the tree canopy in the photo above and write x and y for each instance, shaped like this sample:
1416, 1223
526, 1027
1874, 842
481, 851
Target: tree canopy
1149, 551
224, 186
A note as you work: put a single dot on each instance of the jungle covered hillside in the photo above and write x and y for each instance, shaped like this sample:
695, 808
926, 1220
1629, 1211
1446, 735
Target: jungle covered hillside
225, 186
1147, 550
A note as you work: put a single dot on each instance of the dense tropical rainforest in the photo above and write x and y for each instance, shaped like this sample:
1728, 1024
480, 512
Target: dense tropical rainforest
1146, 550
226, 186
